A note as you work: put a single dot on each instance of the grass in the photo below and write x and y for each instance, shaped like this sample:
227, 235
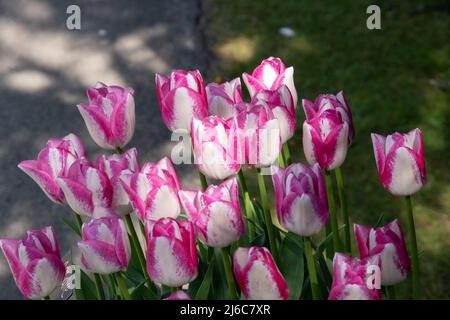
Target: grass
395, 79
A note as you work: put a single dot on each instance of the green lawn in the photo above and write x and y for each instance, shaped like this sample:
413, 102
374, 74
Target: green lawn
395, 79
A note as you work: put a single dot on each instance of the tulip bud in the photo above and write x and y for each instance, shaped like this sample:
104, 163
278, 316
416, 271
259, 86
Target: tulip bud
222, 98
109, 116
171, 251
35, 263
153, 192
350, 279
387, 242
118, 168
325, 139
54, 161
215, 213
270, 75
400, 161
258, 276
87, 190
105, 247
181, 96
334, 102
301, 198
281, 104
178, 295
214, 142
258, 133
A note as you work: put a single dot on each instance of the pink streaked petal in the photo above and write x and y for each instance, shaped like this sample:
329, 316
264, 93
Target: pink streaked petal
99, 257
98, 126
77, 196
123, 121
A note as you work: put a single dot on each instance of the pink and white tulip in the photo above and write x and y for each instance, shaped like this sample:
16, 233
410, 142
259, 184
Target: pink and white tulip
105, 247
387, 242
259, 136
350, 279
178, 295
87, 190
400, 161
171, 252
336, 102
118, 168
181, 96
35, 263
301, 198
54, 161
325, 139
258, 276
110, 115
215, 213
280, 102
214, 141
270, 75
222, 98
153, 191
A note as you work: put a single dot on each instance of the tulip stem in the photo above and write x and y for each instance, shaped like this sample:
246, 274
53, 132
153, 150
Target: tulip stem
138, 249
267, 216
122, 286
247, 205
46, 298
229, 274
203, 181
281, 160
413, 251
79, 221
119, 150
311, 269
99, 286
390, 292
333, 217
344, 209
287, 154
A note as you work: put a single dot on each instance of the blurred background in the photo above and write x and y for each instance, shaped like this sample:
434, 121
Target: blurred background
395, 79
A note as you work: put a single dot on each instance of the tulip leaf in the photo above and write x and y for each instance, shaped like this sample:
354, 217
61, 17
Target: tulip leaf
259, 241
87, 286
219, 288
71, 225
203, 290
292, 264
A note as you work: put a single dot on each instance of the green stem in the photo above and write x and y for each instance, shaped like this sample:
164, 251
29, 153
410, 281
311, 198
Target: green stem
203, 181
99, 287
267, 216
78, 220
390, 292
311, 269
329, 244
122, 286
229, 274
287, 154
247, 205
137, 245
343, 203
113, 292
281, 160
119, 150
413, 251
46, 298
333, 217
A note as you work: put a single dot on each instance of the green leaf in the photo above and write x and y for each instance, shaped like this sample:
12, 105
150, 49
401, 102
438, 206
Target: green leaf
219, 284
259, 241
293, 264
203, 290
71, 225
88, 286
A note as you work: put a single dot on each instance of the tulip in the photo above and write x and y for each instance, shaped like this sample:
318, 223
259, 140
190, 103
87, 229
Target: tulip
214, 142
389, 244
270, 75
178, 295
280, 102
54, 161
87, 190
258, 133
222, 98
109, 116
301, 198
171, 251
258, 276
118, 168
325, 102
181, 96
215, 213
325, 139
400, 161
350, 279
35, 263
105, 247
153, 191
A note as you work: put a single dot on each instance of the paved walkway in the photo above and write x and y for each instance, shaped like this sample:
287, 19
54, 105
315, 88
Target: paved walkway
44, 71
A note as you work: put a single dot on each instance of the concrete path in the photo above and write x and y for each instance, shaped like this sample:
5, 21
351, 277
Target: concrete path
44, 72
